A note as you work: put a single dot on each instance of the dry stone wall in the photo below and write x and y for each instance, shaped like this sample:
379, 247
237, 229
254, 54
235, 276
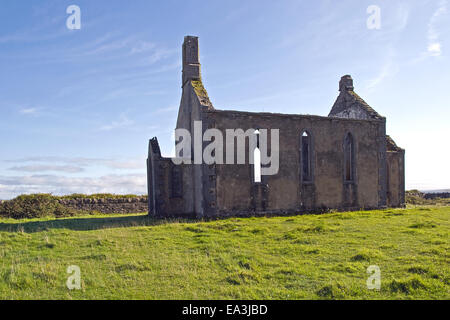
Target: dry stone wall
442, 195
105, 205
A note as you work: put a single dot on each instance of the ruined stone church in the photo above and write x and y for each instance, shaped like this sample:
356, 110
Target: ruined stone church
343, 161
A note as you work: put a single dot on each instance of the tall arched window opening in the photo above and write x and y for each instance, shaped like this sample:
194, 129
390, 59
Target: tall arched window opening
349, 158
257, 160
306, 157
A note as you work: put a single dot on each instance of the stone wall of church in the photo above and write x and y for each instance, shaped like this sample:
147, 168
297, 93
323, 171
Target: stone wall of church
235, 189
396, 178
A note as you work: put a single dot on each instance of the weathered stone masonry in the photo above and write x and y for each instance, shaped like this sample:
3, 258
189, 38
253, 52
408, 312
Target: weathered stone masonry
346, 161
108, 205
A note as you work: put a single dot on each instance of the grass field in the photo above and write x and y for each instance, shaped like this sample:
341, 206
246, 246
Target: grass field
300, 257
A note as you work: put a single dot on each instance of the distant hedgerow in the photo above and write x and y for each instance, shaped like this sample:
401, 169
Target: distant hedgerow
34, 206
96, 196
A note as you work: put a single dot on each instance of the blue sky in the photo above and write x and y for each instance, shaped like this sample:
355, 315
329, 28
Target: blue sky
78, 106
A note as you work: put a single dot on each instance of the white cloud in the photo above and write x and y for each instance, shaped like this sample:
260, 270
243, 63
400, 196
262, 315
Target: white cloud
130, 164
115, 45
53, 159
67, 164
28, 111
59, 185
434, 49
159, 54
43, 168
34, 179
434, 44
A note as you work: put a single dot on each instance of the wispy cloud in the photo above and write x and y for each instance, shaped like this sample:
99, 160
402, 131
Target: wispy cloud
49, 163
104, 46
388, 69
166, 109
132, 50
28, 111
128, 164
402, 17
122, 122
111, 47
434, 45
142, 46
49, 27
77, 160
32, 37
43, 168
39, 111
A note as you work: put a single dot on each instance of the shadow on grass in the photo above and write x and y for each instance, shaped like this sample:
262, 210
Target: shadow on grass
108, 222
84, 224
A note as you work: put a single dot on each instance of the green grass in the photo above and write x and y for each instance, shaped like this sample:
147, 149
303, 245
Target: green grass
300, 257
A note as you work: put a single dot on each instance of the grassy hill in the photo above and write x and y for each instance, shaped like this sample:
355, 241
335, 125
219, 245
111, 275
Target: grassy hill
300, 257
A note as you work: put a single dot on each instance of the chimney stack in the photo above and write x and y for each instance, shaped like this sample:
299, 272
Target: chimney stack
191, 61
346, 83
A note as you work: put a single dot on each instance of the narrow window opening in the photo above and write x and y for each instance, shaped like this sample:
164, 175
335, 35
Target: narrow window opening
349, 166
257, 160
306, 157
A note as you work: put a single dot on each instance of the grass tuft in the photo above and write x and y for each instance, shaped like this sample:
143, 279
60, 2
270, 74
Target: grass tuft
407, 286
421, 225
333, 291
418, 270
